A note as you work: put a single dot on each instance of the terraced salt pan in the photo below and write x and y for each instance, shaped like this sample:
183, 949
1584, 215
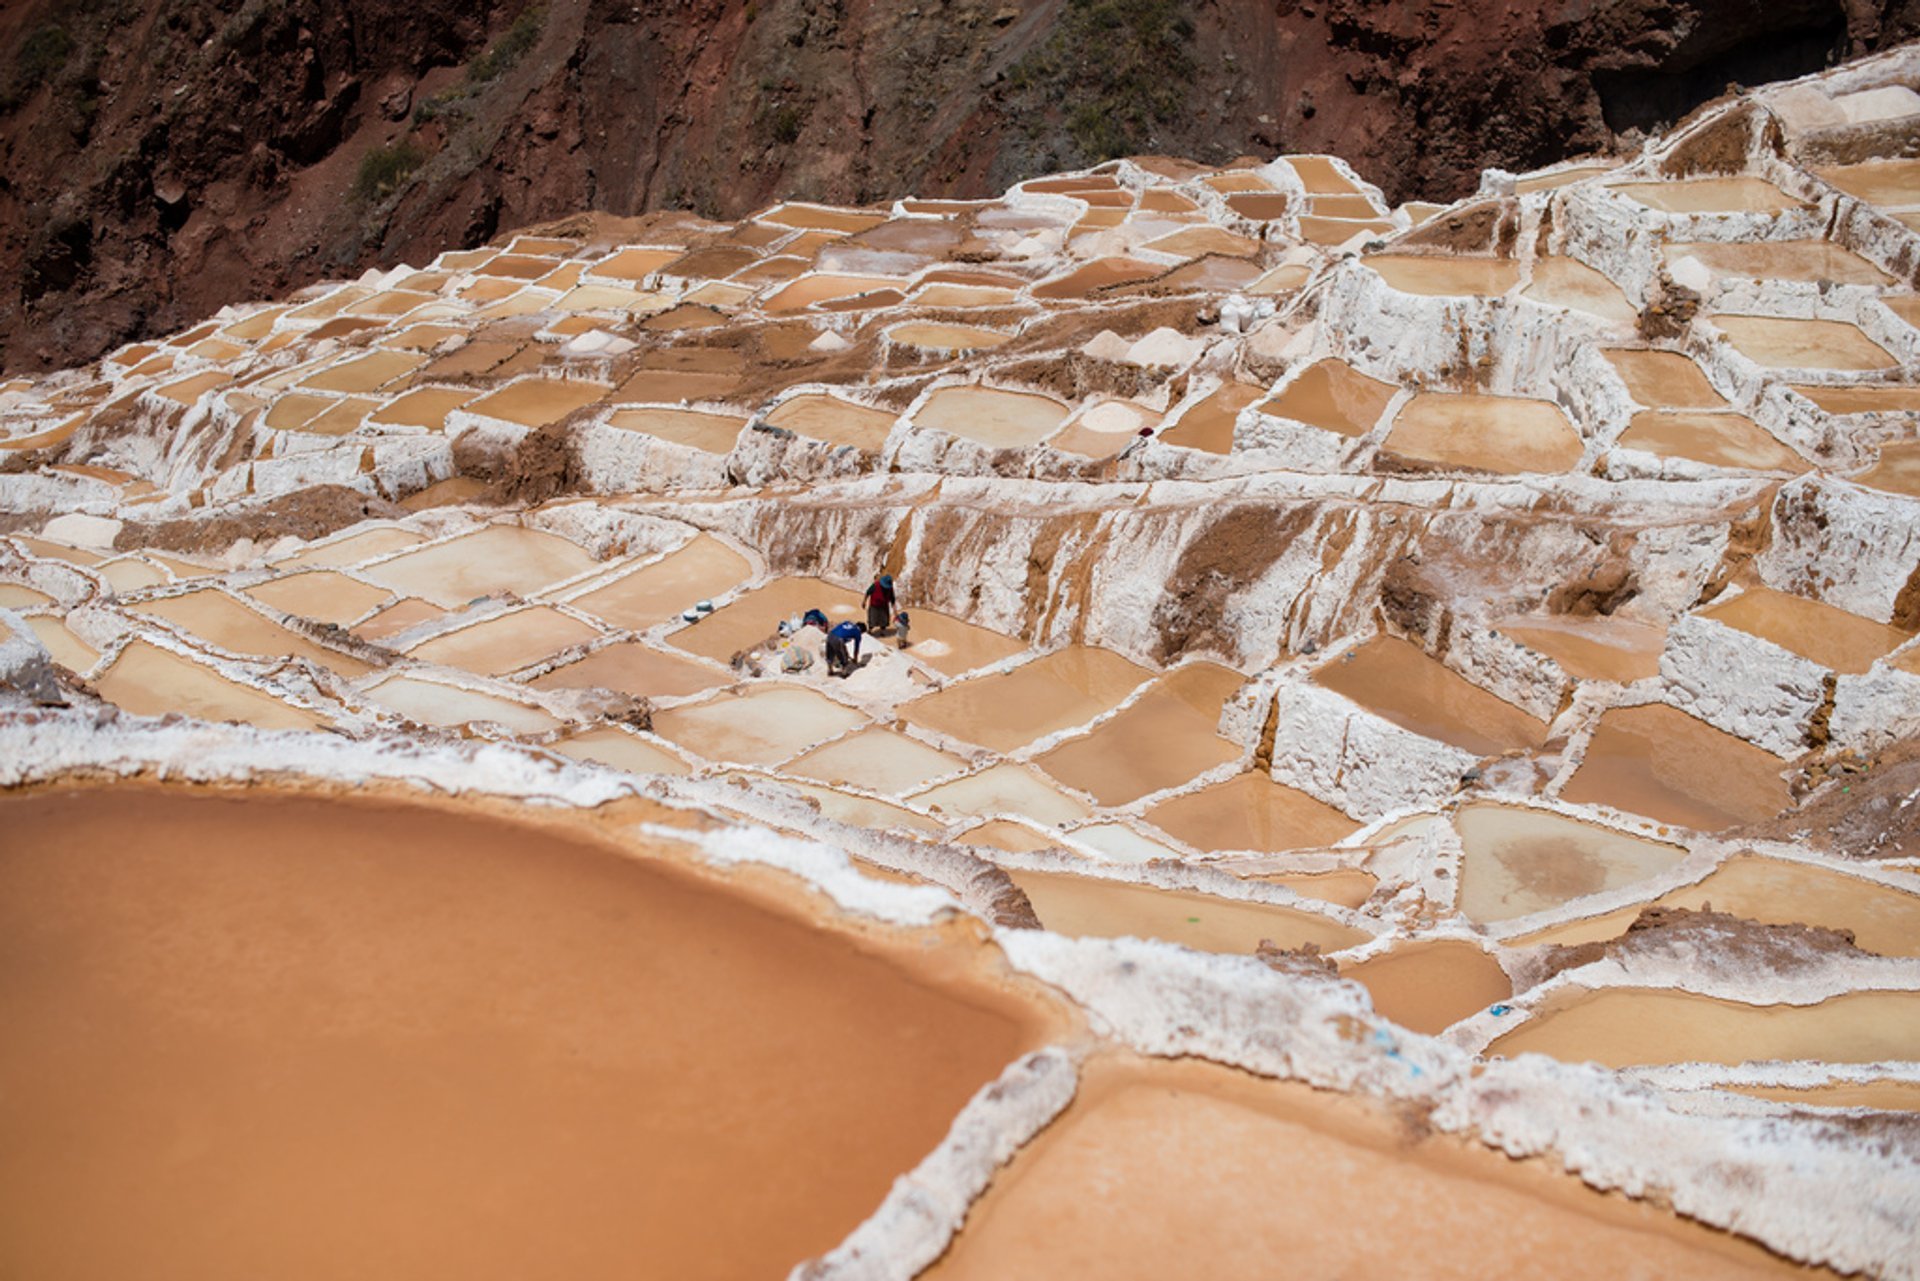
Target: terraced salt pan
1882, 1095
423, 407
1334, 396
536, 402
636, 262
701, 569
1592, 648
763, 725
1314, 1184
1664, 380
1883, 919
876, 760
449, 706
1320, 175
1001, 834
1102, 273
858, 811
365, 373
507, 642
1103, 429
950, 338
1660, 762
697, 429
757, 615
826, 287
1805, 260
1434, 276
396, 618
215, 617
1338, 231
323, 595
132, 573
963, 296
354, 548
1342, 886
1093, 907
1718, 440
61, 644
1896, 472
621, 750
353, 954
1396, 680
1803, 344
991, 417
1740, 194
149, 681
14, 596
631, 667
1507, 435
1833, 638
1260, 206
1629, 1027
1568, 282
1007, 710
836, 421
1559, 178
1208, 425
1005, 789
1166, 737
498, 558
1250, 812
1891, 183
953, 647
1430, 986
1520, 861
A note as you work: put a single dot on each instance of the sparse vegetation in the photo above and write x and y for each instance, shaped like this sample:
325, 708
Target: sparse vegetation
495, 61
784, 124
384, 170
42, 55
1125, 63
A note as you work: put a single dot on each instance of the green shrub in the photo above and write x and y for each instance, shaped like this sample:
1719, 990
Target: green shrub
384, 170
1120, 68
509, 48
41, 55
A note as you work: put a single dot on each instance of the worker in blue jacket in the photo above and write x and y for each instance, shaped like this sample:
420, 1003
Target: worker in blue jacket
841, 661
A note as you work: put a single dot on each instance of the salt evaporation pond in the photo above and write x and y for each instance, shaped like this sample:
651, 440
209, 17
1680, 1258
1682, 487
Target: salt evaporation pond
313, 1036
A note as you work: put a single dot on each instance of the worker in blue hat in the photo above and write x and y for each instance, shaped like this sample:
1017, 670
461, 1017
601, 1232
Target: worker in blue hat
880, 602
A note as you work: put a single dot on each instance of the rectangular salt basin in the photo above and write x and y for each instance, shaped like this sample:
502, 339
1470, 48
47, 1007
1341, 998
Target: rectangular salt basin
634, 668
1568, 282
1808, 260
1007, 710
825, 288
621, 750
991, 417
1506, 435
1627, 1027
61, 644
1334, 396
1711, 196
1208, 425
696, 429
1782, 343
1438, 276
876, 760
1664, 380
354, 548
220, 620
1592, 649
1168, 736
1658, 761
834, 420
764, 725
756, 616
1718, 440
536, 402
953, 647
1519, 861
1005, 789
365, 373
1091, 907
508, 642
1398, 681
322, 595
1889, 183
1431, 985
398, 617
699, 570
149, 681
448, 706
498, 558
1831, 637
424, 407
1882, 919
1250, 812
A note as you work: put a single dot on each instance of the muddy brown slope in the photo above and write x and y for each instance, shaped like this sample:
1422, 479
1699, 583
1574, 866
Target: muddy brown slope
158, 160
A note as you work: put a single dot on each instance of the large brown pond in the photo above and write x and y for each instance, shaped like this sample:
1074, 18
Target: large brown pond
289, 1036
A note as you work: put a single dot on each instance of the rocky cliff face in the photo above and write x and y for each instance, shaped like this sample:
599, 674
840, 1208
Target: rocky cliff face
158, 159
